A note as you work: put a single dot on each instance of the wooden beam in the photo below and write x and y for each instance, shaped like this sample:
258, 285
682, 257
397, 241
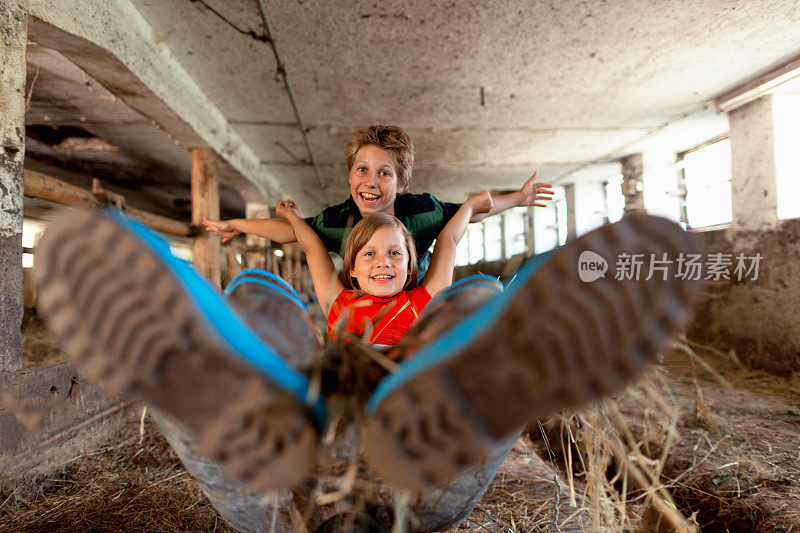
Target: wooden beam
44, 187
205, 203
162, 224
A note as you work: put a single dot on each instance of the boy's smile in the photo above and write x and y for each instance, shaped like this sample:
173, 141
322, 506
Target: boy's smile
381, 265
373, 180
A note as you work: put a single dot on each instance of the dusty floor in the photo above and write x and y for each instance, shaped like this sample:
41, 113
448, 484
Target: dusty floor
39, 346
725, 442
724, 439
737, 461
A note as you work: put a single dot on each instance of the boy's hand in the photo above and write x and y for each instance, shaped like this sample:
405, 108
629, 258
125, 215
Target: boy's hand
481, 203
287, 209
535, 194
221, 228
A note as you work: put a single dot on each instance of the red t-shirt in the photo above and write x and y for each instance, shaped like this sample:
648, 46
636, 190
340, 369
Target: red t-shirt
389, 318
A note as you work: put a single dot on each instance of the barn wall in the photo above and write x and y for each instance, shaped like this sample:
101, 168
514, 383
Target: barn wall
758, 318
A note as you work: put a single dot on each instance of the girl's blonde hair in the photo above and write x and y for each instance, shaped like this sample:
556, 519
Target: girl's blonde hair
363, 232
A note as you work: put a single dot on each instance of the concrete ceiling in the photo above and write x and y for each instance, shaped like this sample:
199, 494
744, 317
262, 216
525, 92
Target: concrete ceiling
489, 91
77, 130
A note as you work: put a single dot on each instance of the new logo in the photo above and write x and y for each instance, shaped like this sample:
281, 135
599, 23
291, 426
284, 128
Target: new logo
591, 266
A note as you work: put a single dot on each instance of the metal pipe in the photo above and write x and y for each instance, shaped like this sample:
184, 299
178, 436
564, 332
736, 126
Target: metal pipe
282, 71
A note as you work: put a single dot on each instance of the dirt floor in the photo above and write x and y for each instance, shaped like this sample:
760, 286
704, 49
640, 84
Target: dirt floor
723, 440
39, 346
736, 464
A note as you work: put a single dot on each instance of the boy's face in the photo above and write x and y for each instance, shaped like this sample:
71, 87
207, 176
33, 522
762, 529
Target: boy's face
381, 265
373, 180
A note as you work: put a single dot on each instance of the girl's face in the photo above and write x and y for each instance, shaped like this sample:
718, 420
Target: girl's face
381, 266
373, 180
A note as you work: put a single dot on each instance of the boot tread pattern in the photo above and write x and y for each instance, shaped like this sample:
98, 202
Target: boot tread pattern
560, 343
130, 326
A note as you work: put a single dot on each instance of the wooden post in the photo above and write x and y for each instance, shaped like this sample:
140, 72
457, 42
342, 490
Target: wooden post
275, 264
231, 249
296, 267
286, 263
530, 229
205, 203
503, 243
13, 42
572, 211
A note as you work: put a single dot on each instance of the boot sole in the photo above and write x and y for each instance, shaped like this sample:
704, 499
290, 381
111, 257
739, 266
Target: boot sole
549, 343
132, 326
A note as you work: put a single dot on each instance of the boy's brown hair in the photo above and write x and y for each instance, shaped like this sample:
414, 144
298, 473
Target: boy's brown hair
362, 232
391, 138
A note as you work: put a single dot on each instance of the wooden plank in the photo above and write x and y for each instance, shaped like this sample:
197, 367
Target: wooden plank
205, 203
44, 187
162, 224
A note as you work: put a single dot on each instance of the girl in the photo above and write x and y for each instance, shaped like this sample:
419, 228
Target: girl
376, 297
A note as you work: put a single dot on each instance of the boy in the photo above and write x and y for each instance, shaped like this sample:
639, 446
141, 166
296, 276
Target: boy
379, 162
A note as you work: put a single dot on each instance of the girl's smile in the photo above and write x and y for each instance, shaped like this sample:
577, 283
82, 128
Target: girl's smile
381, 265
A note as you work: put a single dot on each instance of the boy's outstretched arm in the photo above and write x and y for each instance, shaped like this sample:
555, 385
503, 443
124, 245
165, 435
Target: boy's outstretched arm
531, 193
272, 228
440, 272
327, 284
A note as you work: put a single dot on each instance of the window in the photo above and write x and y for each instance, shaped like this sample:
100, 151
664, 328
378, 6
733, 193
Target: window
550, 223
493, 239
474, 238
31, 232
516, 220
462, 250
786, 117
181, 250
615, 200
483, 240
662, 196
589, 209
707, 174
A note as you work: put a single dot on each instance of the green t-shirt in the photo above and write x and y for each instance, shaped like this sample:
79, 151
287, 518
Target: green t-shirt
423, 214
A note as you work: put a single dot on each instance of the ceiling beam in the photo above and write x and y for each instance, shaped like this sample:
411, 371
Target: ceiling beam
113, 43
758, 86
